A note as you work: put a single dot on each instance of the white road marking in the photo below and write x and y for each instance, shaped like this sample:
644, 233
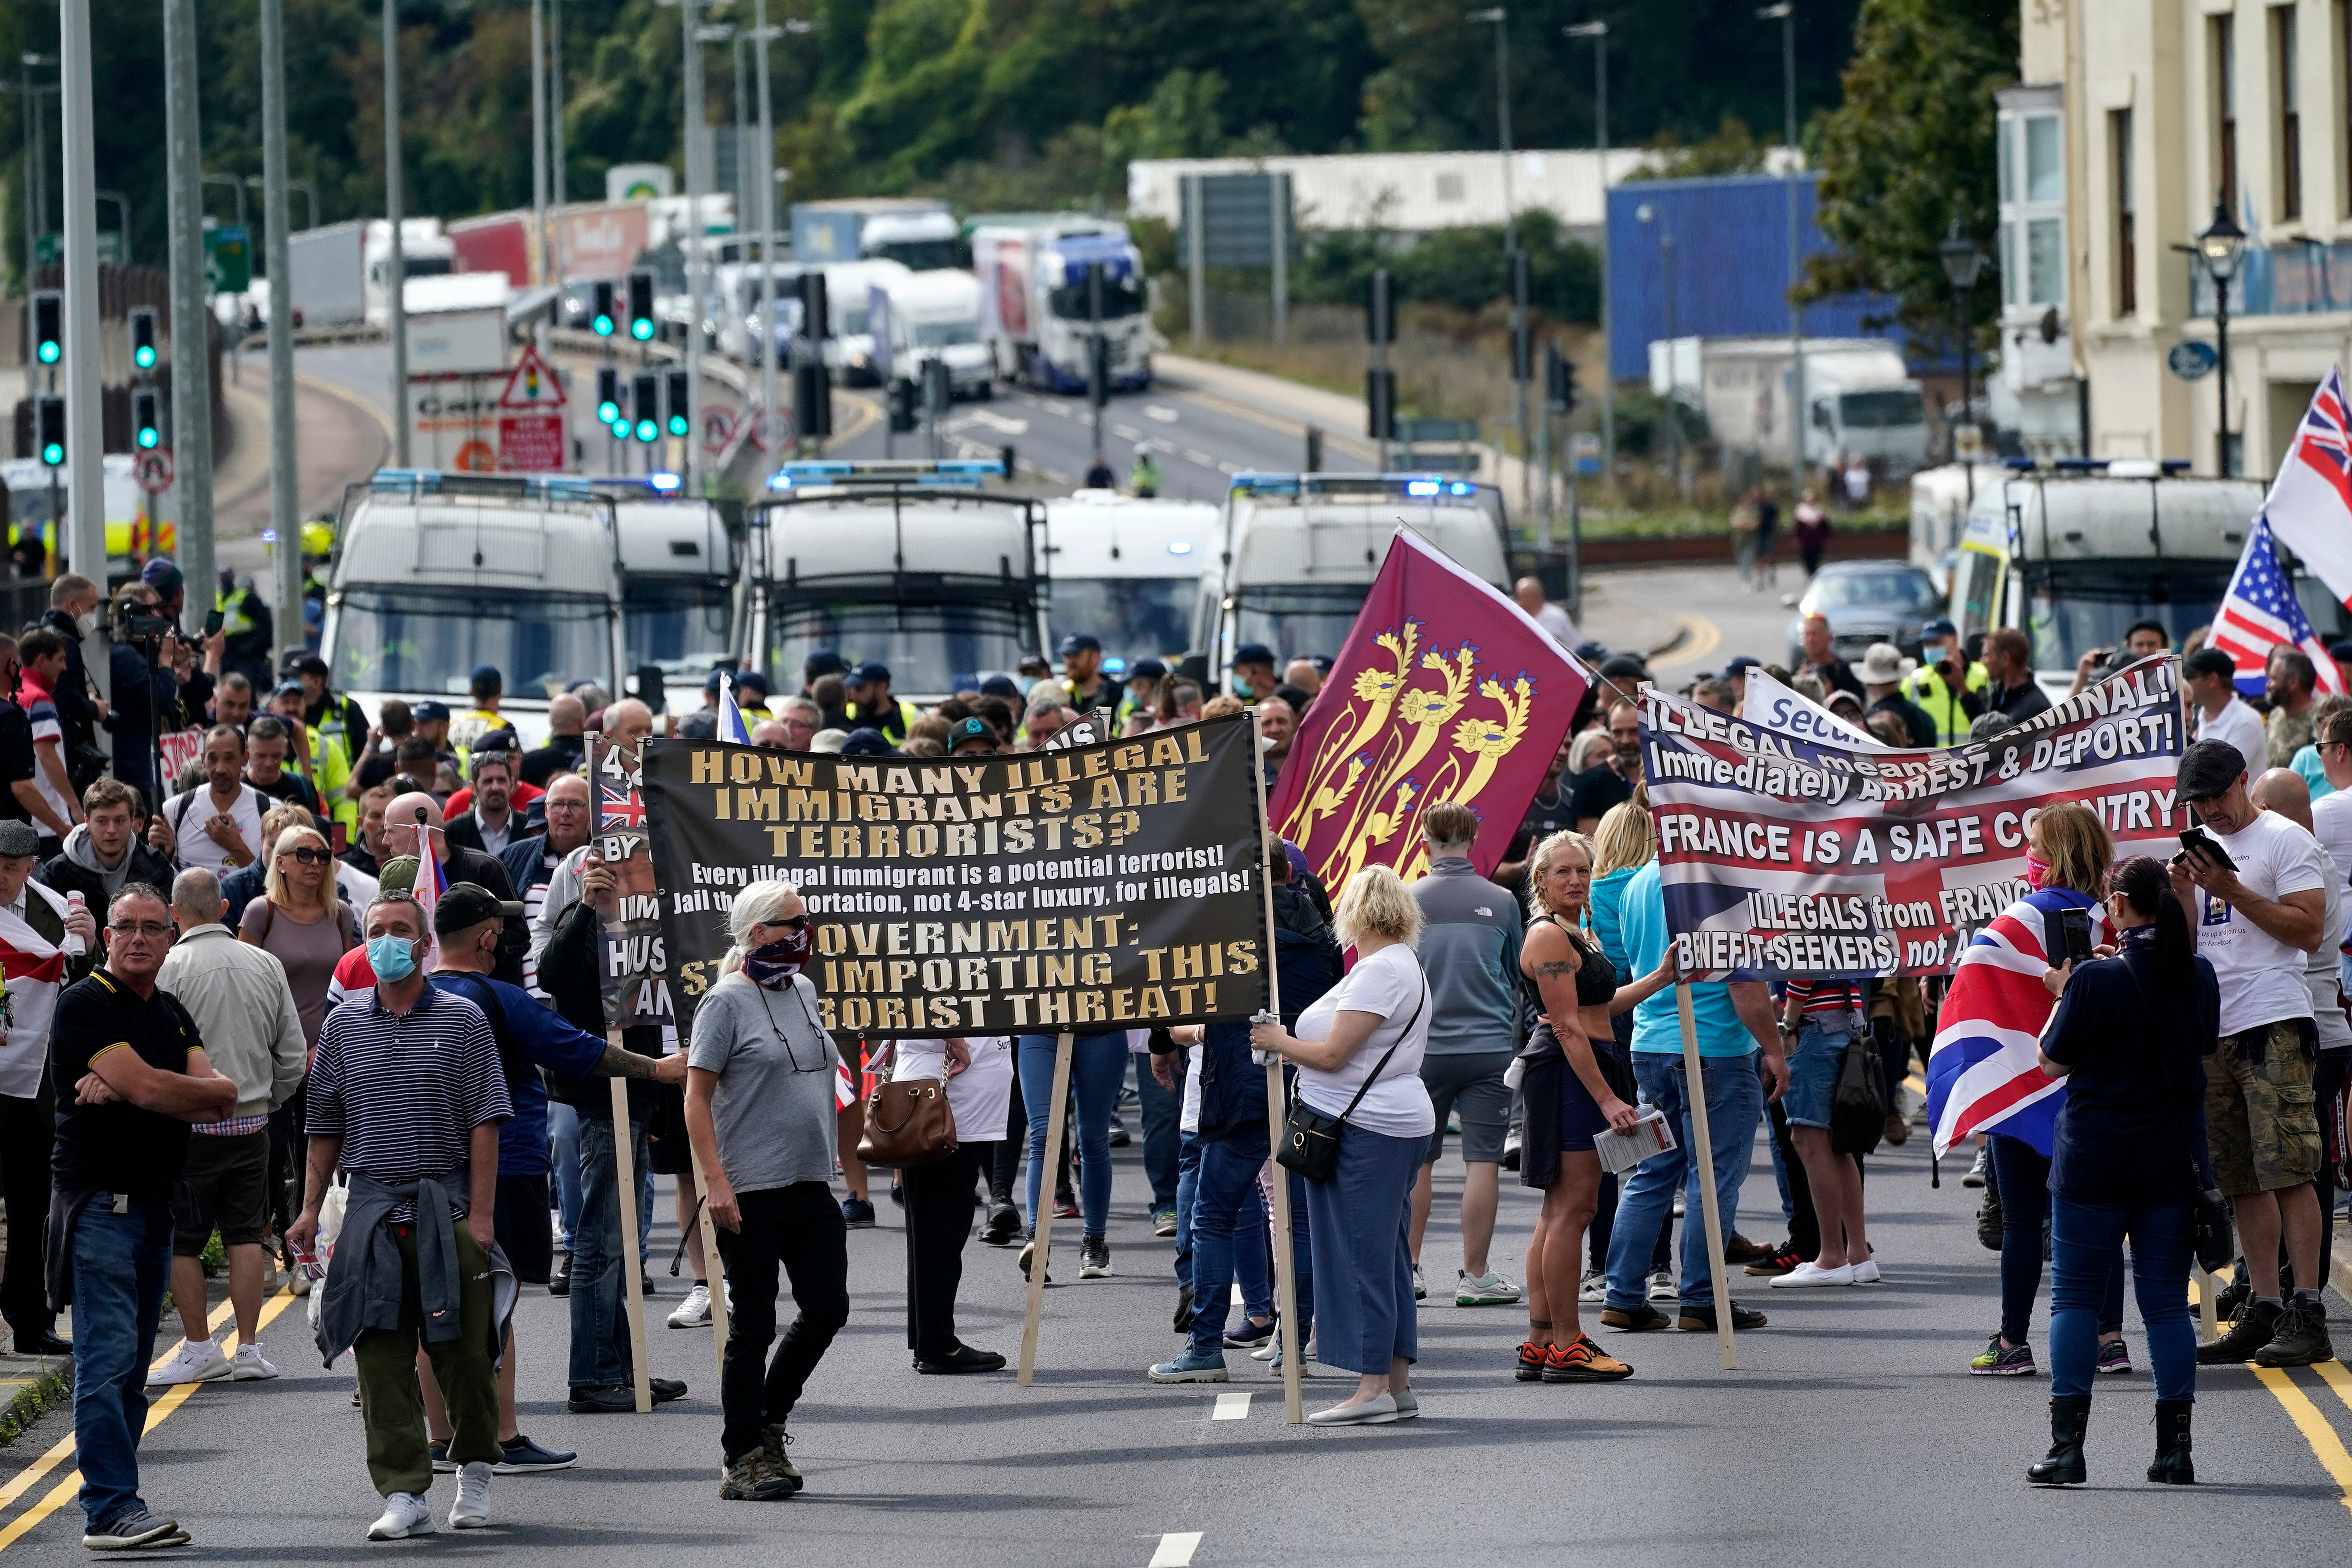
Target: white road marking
1229, 467
1176, 1549
1237, 1294
1127, 432
1232, 1407
995, 421
1194, 454
1161, 411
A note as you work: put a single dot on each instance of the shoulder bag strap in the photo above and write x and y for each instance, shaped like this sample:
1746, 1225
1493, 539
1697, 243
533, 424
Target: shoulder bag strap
1379, 1065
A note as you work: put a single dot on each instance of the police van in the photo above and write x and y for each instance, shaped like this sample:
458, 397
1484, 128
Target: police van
1131, 570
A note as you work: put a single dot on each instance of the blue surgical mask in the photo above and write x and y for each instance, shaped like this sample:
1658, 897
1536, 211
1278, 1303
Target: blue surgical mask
393, 958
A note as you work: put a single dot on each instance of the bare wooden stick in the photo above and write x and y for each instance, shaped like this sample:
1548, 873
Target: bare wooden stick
1702, 1164
632, 1272
1042, 1220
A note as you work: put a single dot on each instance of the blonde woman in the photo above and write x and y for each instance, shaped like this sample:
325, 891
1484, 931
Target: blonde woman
1569, 1096
1359, 1050
760, 1113
1623, 843
301, 922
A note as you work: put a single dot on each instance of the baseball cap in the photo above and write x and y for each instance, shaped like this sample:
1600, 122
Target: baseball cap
429, 709
1253, 653
486, 674
1622, 666
867, 673
2209, 661
311, 664
2208, 768
1002, 686
1742, 665
1938, 626
821, 663
287, 688
1034, 664
752, 683
465, 904
398, 874
865, 743
971, 729
1080, 642
498, 740
162, 576
1147, 670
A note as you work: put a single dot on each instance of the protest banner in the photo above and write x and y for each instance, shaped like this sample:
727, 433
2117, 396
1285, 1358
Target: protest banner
1795, 852
631, 975
1463, 698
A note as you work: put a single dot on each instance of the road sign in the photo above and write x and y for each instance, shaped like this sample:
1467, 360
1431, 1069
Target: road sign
772, 430
1584, 452
153, 471
718, 427
532, 443
2192, 359
533, 386
228, 261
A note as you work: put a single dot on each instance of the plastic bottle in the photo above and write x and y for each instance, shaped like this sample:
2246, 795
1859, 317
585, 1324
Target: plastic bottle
74, 945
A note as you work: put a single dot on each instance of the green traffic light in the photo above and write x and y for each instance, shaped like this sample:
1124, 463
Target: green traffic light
678, 425
146, 358
603, 326
49, 353
648, 431
53, 454
609, 413
642, 329
148, 436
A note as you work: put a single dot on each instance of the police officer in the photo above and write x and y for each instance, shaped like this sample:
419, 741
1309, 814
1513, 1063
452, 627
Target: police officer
871, 705
1144, 477
247, 629
1947, 685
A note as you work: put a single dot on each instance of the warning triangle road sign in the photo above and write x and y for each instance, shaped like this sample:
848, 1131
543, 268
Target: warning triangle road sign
532, 386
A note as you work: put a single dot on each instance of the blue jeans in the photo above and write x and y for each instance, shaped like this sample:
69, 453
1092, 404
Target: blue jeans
600, 1319
1230, 1241
1160, 1109
1188, 1181
1098, 1068
563, 1154
1361, 1243
121, 1265
2023, 1177
1735, 1099
2085, 1239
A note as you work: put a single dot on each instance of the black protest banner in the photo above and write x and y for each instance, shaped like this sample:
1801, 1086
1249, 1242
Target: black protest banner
637, 986
1103, 887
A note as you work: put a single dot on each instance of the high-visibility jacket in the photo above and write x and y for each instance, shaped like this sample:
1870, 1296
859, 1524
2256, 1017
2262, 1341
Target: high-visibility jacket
1953, 711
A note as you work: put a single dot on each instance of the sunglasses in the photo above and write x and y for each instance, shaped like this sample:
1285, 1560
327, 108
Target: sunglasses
798, 923
310, 857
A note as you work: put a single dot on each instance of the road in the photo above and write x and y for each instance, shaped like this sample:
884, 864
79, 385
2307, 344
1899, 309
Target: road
1850, 1435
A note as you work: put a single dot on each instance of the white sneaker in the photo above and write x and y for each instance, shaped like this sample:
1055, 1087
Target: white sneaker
248, 1366
1663, 1286
299, 1282
198, 1360
1595, 1287
1865, 1272
472, 1508
1806, 1275
694, 1312
404, 1514
1420, 1286
1268, 1351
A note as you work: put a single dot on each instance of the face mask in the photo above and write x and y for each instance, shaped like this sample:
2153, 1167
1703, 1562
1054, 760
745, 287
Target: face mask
2037, 869
779, 961
85, 622
393, 958
1244, 690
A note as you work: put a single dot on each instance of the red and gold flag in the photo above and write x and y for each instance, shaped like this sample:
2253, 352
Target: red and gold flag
1445, 690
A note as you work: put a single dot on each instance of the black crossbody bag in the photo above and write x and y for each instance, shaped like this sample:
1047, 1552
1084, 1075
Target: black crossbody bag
1310, 1140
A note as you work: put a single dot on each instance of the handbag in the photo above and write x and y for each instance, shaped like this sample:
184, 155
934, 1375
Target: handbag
1310, 1140
1858, 1108
907, 1122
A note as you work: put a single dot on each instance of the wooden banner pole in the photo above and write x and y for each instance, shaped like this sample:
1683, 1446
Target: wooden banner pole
1702, 1165
1286, 1276
713, 1265
624, 1166
1041, 1221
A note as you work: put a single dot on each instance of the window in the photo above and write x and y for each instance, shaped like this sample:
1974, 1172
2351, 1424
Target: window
2045, 262
2044, 177
2290, 127
2223, 59
2119, 137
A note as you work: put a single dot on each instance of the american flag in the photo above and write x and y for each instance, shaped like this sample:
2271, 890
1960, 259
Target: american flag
1984, 1072
2310, 503
2259, 613
731, 716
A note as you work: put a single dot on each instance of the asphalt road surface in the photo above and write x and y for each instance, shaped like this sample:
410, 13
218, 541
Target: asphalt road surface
1850, 1435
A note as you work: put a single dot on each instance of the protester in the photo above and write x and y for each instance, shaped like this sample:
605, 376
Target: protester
132, 1076
216, 826
417, 816
1359, 1050
103, 852
1823, 1021
1278, 726
2290, 681
301, 922
246, 1015
2210, 677
2009, 662
490, 820
1611, 782
1626, 841
760, 1105
2130, 1037
1097, 1069
1884, 670
978, 1076
1822, 660
43, 688
2307, 762
1554, 620
1470, 953
269, 747
406, 1096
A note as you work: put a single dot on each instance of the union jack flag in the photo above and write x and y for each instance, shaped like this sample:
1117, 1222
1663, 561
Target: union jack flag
2260, 612
1984, 1073
2310, 504
622, 808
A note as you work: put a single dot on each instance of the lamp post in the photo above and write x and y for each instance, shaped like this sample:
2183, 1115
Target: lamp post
1500, 16
1785, 13
1599, 33
1962, 262
2220, 247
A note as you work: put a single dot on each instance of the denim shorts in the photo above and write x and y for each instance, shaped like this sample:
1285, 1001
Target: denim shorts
1813, 1069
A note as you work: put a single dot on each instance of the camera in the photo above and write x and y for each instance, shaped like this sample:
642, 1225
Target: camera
136, 622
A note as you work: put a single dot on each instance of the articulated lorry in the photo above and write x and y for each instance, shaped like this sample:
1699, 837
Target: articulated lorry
1038, 304
917, 233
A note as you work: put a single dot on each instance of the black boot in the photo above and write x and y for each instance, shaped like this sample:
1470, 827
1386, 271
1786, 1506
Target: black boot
2070, 1417
2172, 1464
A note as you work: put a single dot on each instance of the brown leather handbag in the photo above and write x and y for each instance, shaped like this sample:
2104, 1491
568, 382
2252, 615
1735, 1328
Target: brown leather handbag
907, 1122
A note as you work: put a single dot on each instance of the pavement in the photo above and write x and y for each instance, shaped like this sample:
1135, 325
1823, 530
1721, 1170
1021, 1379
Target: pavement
1850, 1434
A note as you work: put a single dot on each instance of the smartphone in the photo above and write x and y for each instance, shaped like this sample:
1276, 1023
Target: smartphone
2074, 931
2205, 843
212, 623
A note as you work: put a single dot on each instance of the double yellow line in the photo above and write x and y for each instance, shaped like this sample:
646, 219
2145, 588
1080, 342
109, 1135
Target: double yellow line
22, 1483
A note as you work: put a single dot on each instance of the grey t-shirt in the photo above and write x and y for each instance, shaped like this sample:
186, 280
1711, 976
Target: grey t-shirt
774, 1105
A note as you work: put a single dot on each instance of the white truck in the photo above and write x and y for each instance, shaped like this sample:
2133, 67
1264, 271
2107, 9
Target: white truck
927, 316
1862, 399
682, 571
435, 573
918, 232
911, 564
426, 251
1299, 550
1037, 308
1131, 570
848, 293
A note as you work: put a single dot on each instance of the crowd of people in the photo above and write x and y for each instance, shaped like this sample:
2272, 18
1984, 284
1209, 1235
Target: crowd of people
233, 1012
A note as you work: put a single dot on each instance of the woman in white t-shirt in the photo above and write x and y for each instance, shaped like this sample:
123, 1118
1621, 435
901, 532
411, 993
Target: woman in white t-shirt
978, 1072
1358, 1052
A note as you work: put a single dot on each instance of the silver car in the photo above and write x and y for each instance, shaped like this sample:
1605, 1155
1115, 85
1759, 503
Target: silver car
1867, 602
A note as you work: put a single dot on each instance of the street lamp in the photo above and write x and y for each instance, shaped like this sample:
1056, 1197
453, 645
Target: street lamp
1962, 262
1500, 16
1599, 33
2219, 248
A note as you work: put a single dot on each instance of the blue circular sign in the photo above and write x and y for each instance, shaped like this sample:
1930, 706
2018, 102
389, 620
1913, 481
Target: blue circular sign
2192, 359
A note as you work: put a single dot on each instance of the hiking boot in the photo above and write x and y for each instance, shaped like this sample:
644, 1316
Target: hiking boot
1531, 1368
2070, 1418
1640, 1318
2173, 1465
750, 1478
1192, 1366
1698, 1319
1582, 1361
2301, 1336
773, 1440
2256, 1327
2016, 1361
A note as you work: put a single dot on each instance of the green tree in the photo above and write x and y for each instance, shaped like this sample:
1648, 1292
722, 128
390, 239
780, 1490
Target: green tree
1909, 151
1732, 150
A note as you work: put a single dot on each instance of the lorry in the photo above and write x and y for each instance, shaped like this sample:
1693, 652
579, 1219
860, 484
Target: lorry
918, 233
1129, 571
1037, 308
426, 251
435, 574
913, 564
2074, 555
1862, 400
927, 316
681, 567
1300, 550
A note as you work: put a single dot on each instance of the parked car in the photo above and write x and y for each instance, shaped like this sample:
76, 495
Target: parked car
1867, 602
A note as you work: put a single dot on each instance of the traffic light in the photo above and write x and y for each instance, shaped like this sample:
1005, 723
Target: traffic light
645, 394
812, 397
681, 410
641, 306
48, 326
816, 321
1097, 369
939, 388
902, 407
1559, 381
600, 310
142, 338
608, 392
49, 430
1380, 308
1380, 403
146, 419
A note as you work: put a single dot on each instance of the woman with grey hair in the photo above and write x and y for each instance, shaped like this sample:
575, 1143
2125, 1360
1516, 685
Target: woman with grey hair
759, 1113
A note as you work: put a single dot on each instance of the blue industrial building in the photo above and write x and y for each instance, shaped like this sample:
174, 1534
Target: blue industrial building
1712, 262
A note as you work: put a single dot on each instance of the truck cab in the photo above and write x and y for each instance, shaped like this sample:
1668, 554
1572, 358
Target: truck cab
849, 296
1038, 308
912, 563
1299, 550
435, 574
681, 567
1129, 571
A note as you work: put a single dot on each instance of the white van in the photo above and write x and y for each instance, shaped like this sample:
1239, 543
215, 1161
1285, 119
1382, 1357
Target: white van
1129, 571
681, 568
437, 574
848, 294
928, 316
